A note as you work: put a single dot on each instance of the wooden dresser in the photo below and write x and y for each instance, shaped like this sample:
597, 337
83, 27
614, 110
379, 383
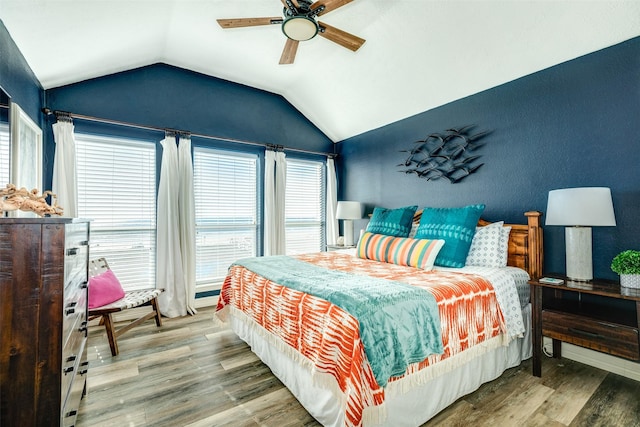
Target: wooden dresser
43, 320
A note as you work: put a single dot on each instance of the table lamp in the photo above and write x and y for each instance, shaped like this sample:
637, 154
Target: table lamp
579, 209
348, 211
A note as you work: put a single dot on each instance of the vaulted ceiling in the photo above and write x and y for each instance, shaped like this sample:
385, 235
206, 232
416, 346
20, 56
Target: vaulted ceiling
419, 54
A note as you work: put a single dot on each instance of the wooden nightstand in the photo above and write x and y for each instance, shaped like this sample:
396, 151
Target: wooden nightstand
338, 247
599, 315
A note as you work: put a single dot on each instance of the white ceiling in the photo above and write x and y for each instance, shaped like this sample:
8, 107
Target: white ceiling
419, 54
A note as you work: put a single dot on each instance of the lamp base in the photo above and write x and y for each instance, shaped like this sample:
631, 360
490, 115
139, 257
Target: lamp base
348, 232
578, 251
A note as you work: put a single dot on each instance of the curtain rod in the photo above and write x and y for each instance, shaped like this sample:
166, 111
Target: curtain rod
48, 111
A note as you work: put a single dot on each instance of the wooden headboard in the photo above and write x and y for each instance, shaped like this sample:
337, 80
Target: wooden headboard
525, 244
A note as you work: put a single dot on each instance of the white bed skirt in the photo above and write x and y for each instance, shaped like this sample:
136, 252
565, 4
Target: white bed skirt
409, 409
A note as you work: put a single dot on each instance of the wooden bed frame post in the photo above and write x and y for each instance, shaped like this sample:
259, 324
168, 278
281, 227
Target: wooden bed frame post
535, 252
535, 249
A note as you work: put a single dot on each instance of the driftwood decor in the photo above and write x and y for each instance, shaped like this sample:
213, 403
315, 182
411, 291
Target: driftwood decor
13, 199
449, 155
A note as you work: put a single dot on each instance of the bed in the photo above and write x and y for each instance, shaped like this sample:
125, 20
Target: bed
373, 370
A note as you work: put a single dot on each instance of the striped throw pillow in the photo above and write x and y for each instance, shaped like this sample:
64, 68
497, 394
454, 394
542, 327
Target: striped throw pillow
420, 253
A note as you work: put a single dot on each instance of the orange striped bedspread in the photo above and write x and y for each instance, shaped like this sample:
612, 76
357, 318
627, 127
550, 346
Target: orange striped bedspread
328, 337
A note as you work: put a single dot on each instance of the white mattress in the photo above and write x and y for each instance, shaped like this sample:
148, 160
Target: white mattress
410, 408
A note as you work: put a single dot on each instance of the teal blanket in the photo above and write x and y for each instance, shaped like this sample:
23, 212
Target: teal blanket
399, 323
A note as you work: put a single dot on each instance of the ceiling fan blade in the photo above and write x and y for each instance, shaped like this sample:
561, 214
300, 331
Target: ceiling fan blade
248, 22
340, 37
289, 52
293, 7
329, 5
295, 3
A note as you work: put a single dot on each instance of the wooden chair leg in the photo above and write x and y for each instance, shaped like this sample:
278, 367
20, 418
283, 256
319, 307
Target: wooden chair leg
111, 333
156, 309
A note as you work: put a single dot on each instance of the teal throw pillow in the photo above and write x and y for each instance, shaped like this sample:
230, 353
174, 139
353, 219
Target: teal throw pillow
392, 222
456, 226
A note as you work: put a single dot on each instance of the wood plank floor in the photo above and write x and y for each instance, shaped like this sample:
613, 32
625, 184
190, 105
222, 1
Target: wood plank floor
197, 373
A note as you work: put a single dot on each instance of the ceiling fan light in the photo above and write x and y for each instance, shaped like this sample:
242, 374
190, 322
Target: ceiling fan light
300, 28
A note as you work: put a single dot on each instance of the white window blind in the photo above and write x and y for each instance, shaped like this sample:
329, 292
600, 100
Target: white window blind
4, 154
304, 206
225, 186
117, 190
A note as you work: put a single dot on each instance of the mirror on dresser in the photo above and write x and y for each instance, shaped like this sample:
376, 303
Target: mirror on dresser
26, 154
5, 141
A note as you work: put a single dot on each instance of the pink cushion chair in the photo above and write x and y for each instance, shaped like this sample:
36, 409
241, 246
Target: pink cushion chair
107, 297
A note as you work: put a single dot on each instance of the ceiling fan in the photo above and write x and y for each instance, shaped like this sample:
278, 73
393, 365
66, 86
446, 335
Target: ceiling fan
299, 24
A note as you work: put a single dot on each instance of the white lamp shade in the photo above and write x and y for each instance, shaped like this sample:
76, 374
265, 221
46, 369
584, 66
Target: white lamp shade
585, 206
349, 210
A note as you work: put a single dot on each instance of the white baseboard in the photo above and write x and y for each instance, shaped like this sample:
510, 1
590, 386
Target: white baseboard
207, 302
599, 360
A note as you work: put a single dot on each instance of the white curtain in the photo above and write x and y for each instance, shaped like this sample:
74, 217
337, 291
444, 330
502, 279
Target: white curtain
281, 186
169, 272
187, 210
269, 201
332, 203
275, 180
65, 183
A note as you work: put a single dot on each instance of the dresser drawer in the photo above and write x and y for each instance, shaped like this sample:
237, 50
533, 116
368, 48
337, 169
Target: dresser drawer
72, 357
75, 265
77, 233
612, 338
76, 253
71, 403
74, 314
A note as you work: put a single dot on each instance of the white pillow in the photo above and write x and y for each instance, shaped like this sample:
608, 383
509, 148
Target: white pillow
486, 247
415, 223
503, 247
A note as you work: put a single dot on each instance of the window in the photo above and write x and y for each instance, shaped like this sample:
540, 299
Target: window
117, 190
4, 154
225, 185
304, 206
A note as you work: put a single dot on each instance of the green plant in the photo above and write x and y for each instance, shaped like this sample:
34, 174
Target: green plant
626, 262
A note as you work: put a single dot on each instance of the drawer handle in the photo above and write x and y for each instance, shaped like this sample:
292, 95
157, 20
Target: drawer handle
72, 358
67, 370
587, 333
71, 413
72, 251
84, 285
84, 365
84, 243
71, 308
83, 327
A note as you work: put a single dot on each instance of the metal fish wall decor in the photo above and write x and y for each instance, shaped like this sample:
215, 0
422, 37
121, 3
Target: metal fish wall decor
450, 155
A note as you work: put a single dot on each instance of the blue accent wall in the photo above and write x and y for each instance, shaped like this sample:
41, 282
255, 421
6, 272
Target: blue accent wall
164, 96
17, 79
573, 125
